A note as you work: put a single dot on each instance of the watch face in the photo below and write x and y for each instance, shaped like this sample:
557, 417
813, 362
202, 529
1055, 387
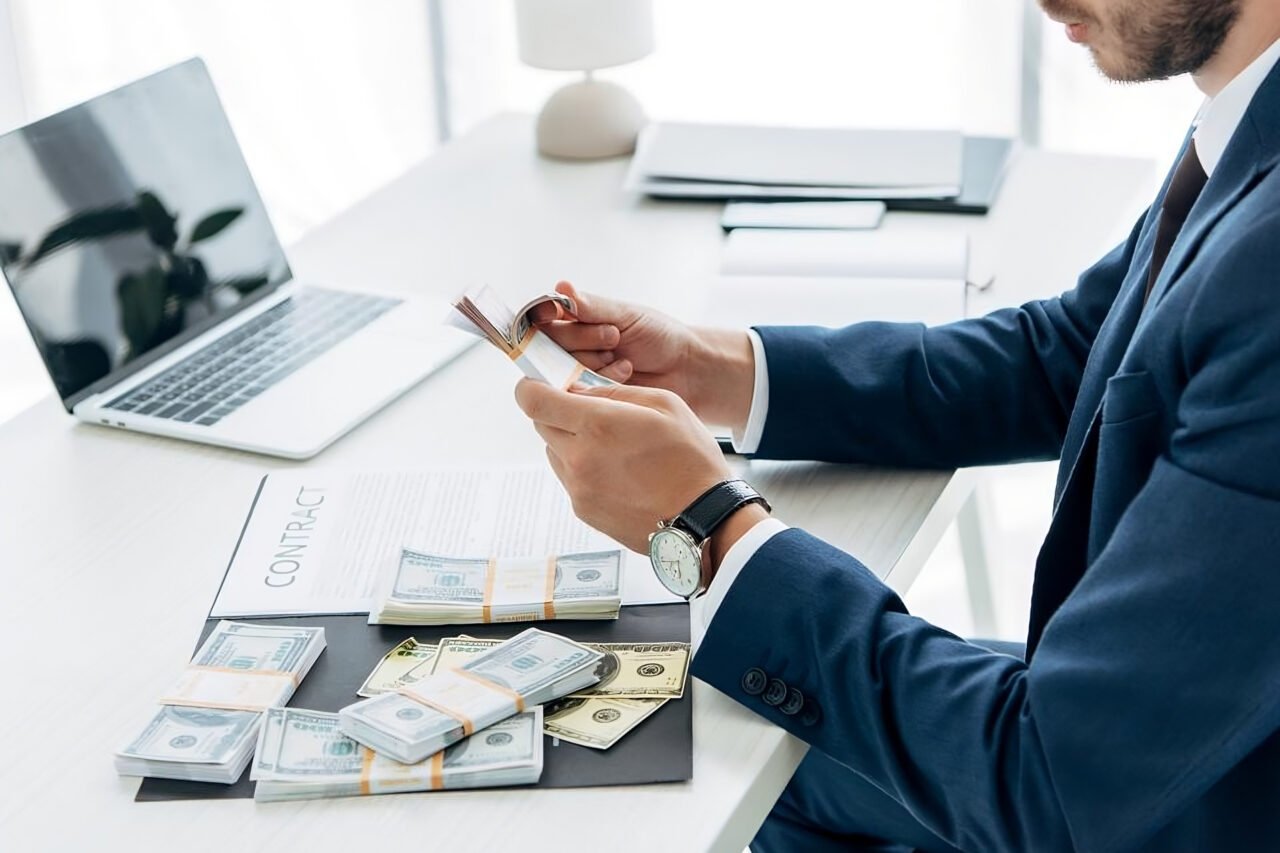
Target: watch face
676, 561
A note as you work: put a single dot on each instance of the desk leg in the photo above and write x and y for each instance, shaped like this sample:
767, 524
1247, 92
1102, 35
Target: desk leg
971, 527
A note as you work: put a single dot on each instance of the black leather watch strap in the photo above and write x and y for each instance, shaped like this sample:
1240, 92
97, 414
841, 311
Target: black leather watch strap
716, 504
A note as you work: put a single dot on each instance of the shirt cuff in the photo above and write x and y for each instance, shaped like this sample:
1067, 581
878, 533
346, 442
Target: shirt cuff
730, 567
748, 441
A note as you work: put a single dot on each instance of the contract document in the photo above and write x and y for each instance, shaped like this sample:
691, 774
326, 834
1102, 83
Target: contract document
316, 541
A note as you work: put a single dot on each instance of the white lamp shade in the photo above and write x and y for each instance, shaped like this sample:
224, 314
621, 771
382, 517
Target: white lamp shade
582, 35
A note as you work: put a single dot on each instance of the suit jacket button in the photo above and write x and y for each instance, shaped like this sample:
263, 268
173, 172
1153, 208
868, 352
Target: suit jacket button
795, 701
775, 693
812, 714
753, 681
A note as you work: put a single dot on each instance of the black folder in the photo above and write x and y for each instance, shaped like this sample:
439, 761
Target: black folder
660, 749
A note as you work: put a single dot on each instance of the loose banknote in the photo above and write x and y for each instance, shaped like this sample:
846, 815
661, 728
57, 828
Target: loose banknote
405, 664
434, 589
596, 723
303, 754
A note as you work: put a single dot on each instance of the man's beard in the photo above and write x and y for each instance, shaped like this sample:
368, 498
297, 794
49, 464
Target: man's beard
1157, 40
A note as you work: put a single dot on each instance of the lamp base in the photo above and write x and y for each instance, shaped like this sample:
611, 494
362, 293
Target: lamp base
589, 119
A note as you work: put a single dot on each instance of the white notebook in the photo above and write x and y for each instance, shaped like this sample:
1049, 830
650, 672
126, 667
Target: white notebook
835, 278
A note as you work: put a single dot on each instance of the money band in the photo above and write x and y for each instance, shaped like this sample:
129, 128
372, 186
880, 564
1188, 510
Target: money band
437, 771
574, 375
515, 697
490, 577
471, 700
548, 600
230, 689
366, 771
519, 348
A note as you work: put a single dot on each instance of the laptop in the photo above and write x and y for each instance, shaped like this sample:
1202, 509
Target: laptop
145, 266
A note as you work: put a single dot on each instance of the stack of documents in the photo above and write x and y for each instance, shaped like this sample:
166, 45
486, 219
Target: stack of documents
422, 718
834, 278
206, 727
427, 589
738, 161
304, 755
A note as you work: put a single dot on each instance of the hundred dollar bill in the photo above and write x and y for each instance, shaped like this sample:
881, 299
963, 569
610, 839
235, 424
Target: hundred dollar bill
303, 754
596, 723
638, 670
397, 668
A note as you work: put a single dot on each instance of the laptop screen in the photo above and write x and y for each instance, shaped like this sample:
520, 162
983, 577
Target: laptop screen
128, 225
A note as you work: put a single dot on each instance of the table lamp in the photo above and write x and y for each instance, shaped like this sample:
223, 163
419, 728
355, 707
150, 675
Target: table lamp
589, 118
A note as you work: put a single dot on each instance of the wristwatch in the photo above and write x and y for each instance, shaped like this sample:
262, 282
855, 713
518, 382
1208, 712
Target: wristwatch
675, 548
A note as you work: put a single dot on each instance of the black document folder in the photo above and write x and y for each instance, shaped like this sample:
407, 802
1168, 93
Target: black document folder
660, 749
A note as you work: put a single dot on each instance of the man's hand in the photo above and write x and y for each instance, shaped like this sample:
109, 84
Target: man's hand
628, 456
713, 370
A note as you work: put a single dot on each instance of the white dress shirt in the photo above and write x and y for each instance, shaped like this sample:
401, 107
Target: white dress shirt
1215, 124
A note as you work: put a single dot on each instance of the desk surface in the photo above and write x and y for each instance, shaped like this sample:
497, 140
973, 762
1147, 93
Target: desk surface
112, 544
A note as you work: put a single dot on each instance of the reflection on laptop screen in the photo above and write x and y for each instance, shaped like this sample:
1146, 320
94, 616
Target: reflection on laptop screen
130, 223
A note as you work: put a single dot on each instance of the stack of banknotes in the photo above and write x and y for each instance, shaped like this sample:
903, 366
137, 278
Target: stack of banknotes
636, 679
429, 589
531, 668
304, 755
205, 728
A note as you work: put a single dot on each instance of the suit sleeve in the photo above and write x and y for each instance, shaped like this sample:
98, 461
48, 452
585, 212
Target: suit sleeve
1159, 674
990, 390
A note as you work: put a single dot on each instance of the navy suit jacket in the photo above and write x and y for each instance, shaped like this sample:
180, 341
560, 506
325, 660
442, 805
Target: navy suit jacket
1147, 713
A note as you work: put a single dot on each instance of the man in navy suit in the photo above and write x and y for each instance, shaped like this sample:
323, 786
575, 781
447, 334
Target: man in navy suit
1145, 714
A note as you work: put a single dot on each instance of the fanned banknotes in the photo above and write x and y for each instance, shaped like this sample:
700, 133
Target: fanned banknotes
399, 667
206, 725
419, 719
482, 312
429, 589
303, 755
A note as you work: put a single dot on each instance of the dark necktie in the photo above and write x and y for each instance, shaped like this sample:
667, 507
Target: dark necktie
1188, 180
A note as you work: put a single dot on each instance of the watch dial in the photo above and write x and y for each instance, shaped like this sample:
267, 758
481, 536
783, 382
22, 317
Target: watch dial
677, 563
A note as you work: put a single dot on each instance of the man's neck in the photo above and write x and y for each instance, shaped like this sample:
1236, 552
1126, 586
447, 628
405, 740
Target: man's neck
1254, 31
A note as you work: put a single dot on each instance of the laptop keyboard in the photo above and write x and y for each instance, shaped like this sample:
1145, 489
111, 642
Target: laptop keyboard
213, 382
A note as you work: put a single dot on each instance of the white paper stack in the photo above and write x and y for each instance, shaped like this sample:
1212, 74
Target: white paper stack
834, 278
738, 161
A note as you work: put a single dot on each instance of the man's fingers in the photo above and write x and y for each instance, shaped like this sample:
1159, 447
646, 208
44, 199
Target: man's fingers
598, 309
554, 437
546, 405
619, 371
653, 398
583, 336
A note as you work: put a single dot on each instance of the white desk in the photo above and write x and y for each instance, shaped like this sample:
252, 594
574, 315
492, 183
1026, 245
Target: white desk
112, 544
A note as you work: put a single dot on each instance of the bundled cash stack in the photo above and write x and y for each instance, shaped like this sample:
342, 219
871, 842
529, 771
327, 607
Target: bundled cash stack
304, 755
482, 312
532, 668
428, 589
207, 724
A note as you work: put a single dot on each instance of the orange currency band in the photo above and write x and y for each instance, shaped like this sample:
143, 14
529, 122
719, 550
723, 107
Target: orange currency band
490, 577
484, 682
437, 771
366, 771
468, 726
574, 376
548, 603
522, 345
275, 673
